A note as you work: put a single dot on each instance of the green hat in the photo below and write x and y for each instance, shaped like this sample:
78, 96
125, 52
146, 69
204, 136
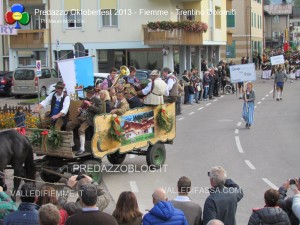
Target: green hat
89, 89
60, 85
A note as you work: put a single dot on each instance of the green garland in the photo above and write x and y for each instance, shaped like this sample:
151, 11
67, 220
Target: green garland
115, 130
164, 121
54, 138
36, 138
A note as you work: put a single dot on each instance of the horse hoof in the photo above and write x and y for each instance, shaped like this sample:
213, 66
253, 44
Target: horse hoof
4, 187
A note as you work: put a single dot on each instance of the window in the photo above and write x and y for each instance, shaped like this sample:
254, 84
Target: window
230, 50
186, 14
254, 17
74, 19
109, 17
218, 18
54, 73
45, 74
230, 20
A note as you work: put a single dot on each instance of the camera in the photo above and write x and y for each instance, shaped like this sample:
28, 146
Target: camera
292, 181
79, 177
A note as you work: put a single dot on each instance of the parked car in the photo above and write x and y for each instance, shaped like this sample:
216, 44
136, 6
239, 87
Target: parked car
5, 82
143, 76
99, 77
26, 82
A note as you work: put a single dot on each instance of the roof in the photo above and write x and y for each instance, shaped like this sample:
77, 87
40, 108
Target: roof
284, 9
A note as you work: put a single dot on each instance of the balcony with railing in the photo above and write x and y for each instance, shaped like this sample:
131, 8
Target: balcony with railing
174, 37
29, 39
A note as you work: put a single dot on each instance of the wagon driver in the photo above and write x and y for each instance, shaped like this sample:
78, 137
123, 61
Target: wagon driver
60, 103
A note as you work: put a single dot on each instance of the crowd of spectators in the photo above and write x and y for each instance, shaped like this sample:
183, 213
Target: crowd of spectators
48, 206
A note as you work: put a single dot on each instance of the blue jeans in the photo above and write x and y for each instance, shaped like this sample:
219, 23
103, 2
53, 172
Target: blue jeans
206, 88
191, 98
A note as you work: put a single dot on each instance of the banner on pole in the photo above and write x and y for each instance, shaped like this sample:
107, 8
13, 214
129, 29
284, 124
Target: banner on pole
77, 72
276, 60
242, 72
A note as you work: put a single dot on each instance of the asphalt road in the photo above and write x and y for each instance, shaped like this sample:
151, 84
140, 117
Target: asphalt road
212, 133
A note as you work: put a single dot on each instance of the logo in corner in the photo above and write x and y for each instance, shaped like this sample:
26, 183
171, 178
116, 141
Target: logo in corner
17, 15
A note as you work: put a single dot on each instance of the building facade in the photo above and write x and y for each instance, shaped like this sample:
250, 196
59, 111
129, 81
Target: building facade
114, 32
247, 29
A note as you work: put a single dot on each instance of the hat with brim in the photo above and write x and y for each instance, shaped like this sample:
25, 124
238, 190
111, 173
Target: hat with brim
154, 73
59, 85
89, 89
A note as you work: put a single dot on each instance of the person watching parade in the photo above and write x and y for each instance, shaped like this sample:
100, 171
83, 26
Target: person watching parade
90, 107
172, 85
154, 91
60, 103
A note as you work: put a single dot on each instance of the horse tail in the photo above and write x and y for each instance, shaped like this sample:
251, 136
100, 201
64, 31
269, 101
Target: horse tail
29, 163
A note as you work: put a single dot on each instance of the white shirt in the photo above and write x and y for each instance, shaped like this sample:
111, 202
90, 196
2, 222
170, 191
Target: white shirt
170, 84
66, 104
148, 88
181, 198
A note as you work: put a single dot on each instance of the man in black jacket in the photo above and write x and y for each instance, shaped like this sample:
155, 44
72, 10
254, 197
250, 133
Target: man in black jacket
223, 199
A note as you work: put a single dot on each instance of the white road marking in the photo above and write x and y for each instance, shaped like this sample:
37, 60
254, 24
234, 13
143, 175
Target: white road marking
236, 131
250, 165
181, 118
215, 100
133, 186
270, 92
131, 156
239, 124
222, 96
200, 108
263, 99
191, 113
270, 183
267, 95
208, 104
255, 107
238, 144
258, 103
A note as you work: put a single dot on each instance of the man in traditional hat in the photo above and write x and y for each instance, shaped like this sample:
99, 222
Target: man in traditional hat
155, 90
60, 103
90, 107
171, 93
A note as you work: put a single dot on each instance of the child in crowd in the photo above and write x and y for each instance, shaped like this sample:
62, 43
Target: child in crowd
20, 119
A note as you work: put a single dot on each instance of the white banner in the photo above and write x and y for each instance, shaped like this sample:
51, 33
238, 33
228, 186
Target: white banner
242, 72
67, 70
276, 60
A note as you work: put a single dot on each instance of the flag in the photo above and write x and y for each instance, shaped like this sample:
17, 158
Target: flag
77, 72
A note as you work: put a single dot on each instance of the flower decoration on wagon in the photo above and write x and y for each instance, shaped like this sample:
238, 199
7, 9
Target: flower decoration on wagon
17, 15
115, 129
164, 120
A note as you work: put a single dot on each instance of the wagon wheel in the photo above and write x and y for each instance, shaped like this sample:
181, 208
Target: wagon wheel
92, 168
54, 164
116, 158
156, 155
47, 177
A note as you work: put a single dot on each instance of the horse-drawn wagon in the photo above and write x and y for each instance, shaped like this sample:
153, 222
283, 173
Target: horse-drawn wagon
142, 131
